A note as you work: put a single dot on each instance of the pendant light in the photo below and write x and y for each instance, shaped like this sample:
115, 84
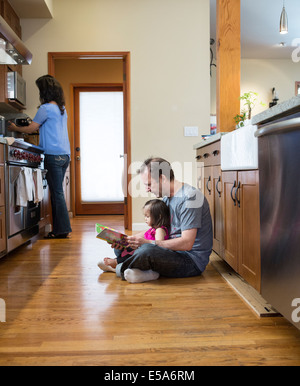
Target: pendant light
283, 21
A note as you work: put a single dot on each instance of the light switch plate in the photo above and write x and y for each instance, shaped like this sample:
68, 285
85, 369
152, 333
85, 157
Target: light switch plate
191, 131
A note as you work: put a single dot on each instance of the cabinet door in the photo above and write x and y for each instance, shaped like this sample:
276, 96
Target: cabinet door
208, 188
229, 205
249, 228
212, 190
217, 209
2, 186
2, 230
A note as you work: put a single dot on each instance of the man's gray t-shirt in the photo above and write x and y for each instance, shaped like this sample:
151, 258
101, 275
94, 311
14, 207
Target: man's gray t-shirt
189, 209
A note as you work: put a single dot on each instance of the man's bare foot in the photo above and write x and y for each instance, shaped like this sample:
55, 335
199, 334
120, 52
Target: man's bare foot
110, 262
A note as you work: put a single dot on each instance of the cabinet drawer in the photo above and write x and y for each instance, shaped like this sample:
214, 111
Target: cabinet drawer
209, 154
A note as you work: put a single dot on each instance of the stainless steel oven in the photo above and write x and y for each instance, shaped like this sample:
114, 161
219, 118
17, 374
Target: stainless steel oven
21, 220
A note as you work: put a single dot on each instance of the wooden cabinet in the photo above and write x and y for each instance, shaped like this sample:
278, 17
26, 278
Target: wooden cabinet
10, 16
233, 198
241, 239
209, 182
13, 20
2, 204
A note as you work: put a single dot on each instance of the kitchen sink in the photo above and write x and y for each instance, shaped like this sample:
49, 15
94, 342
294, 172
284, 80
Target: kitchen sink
239, 150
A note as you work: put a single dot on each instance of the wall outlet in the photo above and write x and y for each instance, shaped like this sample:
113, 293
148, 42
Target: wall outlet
191, 131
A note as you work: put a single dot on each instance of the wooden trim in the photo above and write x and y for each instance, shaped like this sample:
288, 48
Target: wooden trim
228, 63
82, 208
52, 56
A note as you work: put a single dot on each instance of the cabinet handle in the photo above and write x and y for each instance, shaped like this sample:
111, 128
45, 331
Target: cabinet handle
235, 194
206, 155
233, 186
215, 152
198, 157
218, 191
209, 190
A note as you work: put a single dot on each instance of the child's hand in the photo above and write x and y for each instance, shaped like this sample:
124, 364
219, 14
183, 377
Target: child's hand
117, 246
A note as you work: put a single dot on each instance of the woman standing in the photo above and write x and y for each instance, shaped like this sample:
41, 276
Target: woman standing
51, 120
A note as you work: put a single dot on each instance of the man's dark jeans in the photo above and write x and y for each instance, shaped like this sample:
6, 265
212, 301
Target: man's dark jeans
56, 166
166, 262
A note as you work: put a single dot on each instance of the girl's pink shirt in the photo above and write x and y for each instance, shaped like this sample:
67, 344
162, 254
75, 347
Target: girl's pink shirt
150, 233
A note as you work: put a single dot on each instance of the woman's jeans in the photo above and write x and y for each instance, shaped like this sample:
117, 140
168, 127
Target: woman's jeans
56, 166
166, 262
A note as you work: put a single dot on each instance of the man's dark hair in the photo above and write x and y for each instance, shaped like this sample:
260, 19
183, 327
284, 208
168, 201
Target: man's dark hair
157, 167
51, 91
159, 213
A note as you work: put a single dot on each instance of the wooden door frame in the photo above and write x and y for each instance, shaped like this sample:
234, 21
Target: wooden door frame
125, 56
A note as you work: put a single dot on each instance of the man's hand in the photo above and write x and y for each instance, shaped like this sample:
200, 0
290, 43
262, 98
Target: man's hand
136, 241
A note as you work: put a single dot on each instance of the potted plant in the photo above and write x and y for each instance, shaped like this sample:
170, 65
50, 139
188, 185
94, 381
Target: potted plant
250, 100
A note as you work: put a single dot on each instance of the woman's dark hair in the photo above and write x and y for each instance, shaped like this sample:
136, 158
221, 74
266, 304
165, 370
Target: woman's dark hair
159, 213
51, 91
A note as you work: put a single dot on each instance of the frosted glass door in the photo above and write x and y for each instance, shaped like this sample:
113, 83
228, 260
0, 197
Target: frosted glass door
99, 146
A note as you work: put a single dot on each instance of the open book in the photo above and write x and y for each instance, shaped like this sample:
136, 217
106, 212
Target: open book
111, 235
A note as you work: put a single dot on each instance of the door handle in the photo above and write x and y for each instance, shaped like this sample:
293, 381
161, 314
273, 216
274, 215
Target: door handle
233, 186
235, 194
218, 191
209, 190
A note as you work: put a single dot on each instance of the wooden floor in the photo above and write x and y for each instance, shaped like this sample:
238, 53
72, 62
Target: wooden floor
61, 309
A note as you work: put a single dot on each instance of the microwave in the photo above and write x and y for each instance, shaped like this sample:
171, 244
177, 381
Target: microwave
16, 87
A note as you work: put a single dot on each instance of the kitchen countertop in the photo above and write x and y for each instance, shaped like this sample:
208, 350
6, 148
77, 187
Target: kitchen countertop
280, 110
212, 139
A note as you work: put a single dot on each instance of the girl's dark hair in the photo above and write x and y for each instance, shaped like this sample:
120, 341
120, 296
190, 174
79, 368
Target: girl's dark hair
159, 213
51, 91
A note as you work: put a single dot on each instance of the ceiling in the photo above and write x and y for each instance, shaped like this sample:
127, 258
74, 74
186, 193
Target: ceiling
32, 8
260, 35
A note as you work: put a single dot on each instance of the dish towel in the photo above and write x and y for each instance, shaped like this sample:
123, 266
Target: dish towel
38, 192
24, 187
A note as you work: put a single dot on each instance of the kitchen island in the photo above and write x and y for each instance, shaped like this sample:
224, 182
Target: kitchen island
279, 159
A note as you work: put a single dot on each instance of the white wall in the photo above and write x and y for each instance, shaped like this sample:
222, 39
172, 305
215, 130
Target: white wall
261, 75
169, 45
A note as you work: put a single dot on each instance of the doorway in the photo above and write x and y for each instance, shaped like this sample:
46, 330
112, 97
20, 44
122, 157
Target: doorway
54, 62
99, 146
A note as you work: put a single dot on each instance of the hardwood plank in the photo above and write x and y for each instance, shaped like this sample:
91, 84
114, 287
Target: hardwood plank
63, 310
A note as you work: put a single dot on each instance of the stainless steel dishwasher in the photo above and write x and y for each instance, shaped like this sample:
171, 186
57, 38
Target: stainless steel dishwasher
279, 176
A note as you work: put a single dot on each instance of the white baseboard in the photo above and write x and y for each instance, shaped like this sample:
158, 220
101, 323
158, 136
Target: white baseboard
139, 226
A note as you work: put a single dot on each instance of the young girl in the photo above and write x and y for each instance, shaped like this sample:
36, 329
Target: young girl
157, 216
